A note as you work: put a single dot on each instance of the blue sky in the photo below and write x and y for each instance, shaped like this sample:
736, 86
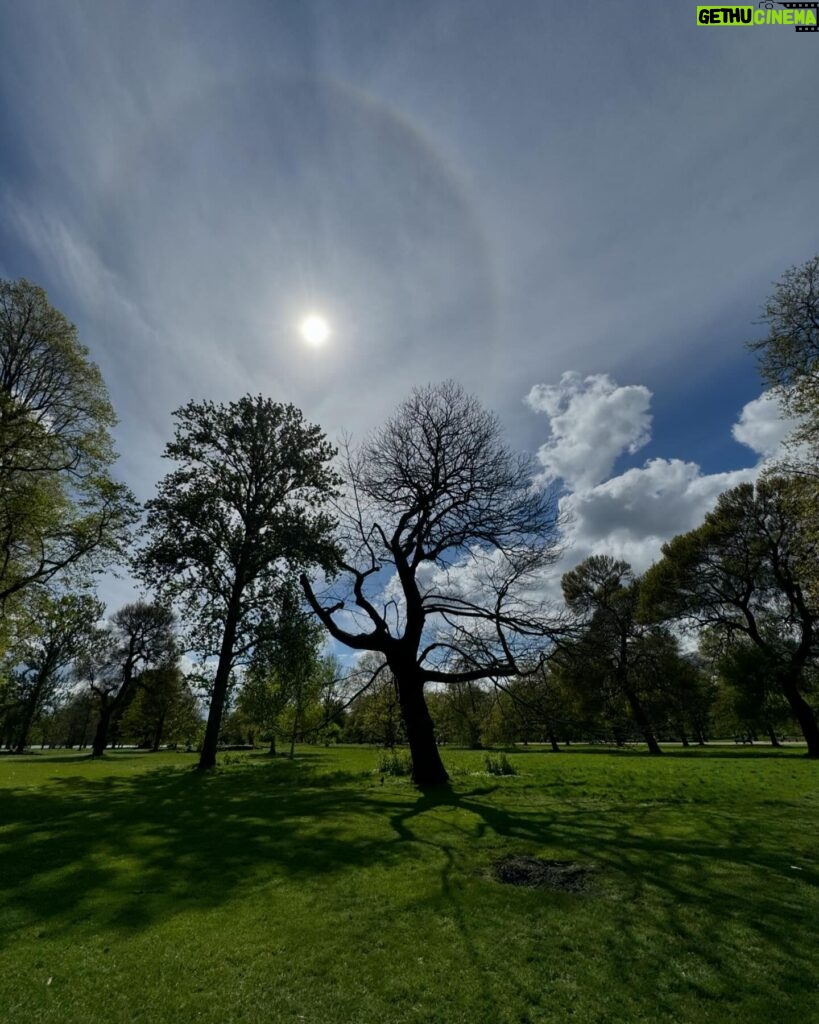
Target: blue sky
498, 192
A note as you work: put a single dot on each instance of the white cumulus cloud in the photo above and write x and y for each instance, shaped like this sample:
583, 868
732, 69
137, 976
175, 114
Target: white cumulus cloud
593, 420
763, 426
631, 515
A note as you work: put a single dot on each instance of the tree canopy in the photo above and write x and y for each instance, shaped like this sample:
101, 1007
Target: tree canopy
243, 512
140, 636
789, 355
615, 648
52, 630
60, 508
740, 573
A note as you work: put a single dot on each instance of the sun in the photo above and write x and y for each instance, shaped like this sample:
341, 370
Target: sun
314, 329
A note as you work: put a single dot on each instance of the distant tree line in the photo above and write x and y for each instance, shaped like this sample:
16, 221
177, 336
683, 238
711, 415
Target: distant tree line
423, 552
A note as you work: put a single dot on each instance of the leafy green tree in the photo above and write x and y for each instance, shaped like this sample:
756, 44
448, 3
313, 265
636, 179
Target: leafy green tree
8, 707
139, 636
740, 573
600, 707
789, 364
324, 706
296, 659
60, 508
376, 716
685, 694
72, 720
375, 713
54, 632
262, 700
282, 678
537, 706
463, 713
615, 647
436, 499
164, 706
243, 511
238, 728
332, 687
671, 684
757, 701
789, 355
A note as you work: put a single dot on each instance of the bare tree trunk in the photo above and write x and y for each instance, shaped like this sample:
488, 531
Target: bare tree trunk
207, 759
427, 766
293, 734
100, 740
642, 722
160, 725
553, 741
803, 712
272, 750
28, 716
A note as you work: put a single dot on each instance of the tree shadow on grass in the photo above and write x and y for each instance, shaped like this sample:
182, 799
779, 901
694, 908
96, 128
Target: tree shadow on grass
79, 757
685, 753
727, 883
126, 850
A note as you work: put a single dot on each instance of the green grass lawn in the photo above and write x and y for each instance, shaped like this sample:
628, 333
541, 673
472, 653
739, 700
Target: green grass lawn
132, 889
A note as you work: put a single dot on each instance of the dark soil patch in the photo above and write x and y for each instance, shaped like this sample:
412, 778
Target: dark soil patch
541, 874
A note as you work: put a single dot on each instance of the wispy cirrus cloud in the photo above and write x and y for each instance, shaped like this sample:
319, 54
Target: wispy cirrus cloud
463, 194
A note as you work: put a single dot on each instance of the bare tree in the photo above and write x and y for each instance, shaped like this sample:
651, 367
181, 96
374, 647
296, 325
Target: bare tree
445, 541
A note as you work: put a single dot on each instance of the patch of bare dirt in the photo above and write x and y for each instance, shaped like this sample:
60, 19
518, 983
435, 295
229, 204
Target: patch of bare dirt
536, 873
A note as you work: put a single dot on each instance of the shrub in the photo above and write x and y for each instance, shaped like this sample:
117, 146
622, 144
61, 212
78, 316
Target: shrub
233, 758
499, 764
394, 762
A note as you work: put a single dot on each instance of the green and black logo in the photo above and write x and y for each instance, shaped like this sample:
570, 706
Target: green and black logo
804, 16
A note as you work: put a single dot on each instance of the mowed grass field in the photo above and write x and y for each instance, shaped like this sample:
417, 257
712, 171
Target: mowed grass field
135, 890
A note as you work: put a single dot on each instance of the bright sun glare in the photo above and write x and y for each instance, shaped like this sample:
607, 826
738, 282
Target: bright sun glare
314, 329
